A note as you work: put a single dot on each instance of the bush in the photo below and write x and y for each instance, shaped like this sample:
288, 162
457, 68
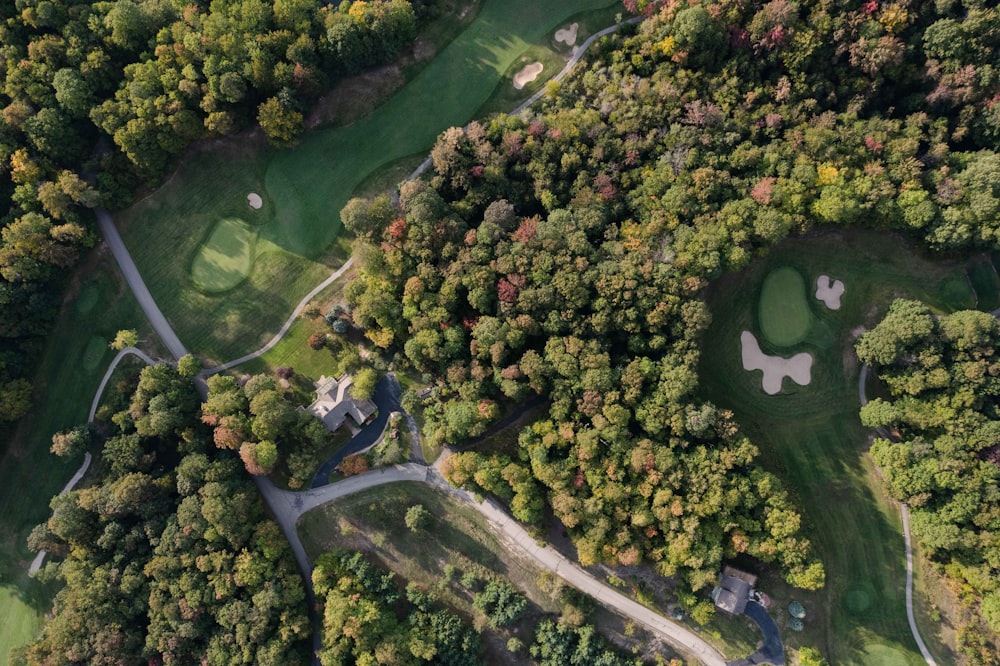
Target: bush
417, 518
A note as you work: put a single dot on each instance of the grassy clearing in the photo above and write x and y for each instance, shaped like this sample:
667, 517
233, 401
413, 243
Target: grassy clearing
71, 368
811, 436
226, 257
783, 312
457, 542
304, 188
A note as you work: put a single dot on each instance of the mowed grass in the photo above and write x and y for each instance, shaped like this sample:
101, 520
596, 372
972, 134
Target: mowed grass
784, 314
985, 281
304, 188
812, 438
552, 54
225, 259
71, 368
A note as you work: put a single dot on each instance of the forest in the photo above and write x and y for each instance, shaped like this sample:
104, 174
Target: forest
168, 558
564, 252
99, 98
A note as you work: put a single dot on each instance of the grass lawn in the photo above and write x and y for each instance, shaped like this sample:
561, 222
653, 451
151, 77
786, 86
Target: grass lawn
372, 521
553, 56
71, 368
783, 312
304, 188
811, 436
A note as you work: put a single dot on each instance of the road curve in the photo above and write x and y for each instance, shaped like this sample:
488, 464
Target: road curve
143, 356
139, 289
287, 325
905, 514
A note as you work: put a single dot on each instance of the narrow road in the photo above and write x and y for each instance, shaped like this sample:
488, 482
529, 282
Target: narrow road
138, 287
905, 513
141, 355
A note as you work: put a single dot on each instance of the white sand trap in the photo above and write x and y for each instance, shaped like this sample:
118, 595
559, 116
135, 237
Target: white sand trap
829, 291
567, 35
528, 74
254, 201
776, 368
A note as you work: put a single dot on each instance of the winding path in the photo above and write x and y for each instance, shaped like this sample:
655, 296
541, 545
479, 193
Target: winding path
36, 563
904, 512
138, 287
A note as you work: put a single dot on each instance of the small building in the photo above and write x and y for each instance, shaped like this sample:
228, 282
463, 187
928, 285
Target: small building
334, 403
731, 595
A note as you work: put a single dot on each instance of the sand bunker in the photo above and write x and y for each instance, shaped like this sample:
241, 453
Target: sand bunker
528, 74
829, 291
567, 35
254, 201
776, 368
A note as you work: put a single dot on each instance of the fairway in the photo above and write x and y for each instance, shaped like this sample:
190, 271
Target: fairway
783, 312
226, 257
20, 621
812, 438
304, 188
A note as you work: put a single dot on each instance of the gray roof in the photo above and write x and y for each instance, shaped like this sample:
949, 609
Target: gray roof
334, 403
731, 594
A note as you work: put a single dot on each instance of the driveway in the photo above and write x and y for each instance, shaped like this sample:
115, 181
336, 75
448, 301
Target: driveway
386, 399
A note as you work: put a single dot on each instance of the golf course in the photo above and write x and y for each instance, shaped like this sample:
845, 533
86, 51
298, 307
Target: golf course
811, 435
233, 271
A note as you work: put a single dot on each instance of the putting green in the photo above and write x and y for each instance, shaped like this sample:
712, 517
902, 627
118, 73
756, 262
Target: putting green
94, 352
225, 259
783, 311
88, 298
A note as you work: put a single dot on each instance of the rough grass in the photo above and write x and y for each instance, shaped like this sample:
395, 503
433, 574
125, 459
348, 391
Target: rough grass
373, 521
811, 436
70, 370
783, 309
225, 259
304, 188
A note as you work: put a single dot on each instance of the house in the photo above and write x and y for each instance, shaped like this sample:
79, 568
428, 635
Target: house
334, 403
732, 594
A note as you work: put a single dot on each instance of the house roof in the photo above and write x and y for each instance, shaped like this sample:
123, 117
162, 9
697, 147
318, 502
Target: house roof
731, 594
334, 403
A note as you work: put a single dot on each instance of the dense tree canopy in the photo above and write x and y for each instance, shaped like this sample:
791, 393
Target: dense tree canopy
563, 252
138, 80
168, 556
